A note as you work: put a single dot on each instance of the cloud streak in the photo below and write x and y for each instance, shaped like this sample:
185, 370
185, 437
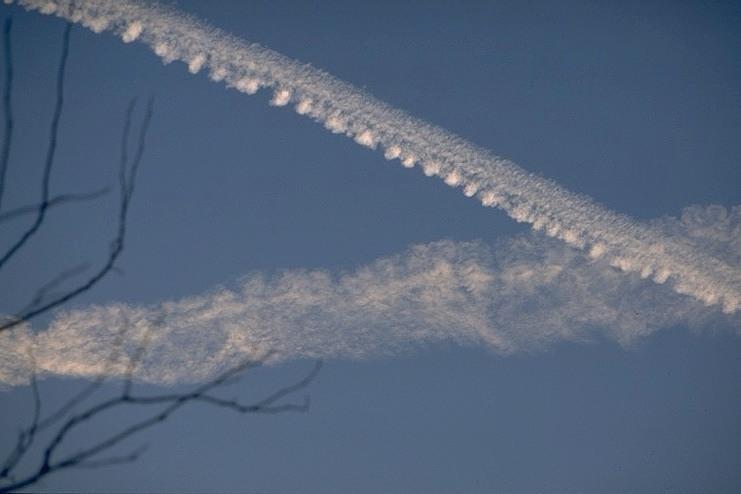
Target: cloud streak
627, 245
523, 294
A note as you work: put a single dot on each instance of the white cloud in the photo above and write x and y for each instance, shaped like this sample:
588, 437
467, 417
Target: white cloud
575, 219
522, 294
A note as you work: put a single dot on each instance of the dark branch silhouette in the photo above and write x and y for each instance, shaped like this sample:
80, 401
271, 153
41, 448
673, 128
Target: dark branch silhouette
89, 456
7, 108
26, 436
127, 181
77, 411
53, 202
41, 303
43, 293
50, 152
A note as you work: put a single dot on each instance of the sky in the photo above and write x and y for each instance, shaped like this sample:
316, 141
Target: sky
462, 351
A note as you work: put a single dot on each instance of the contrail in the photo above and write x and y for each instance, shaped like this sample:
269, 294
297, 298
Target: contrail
521, 295
574, 218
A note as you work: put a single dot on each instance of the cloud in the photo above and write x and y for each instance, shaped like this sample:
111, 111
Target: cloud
632, 247
522, 294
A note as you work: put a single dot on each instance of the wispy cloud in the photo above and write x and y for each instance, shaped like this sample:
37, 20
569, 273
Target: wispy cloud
522, 294
630, 246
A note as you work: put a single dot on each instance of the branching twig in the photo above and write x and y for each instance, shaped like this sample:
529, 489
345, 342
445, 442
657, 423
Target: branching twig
50, 153
88, 390
73, 415
127, 182
88, 457
26, 436
43, 292
114, 460
54, 201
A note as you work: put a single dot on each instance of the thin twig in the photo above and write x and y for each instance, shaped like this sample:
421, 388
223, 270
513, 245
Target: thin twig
139, 355
7, 105
88, 390
127, 177
50, 152
114, 460
26, 436
53, 202
86, 458
43, 292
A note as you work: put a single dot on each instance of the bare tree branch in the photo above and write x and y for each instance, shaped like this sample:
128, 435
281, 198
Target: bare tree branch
7, 108
74, 414
114, 460
50, 152
127, 182
88, 390
26, 436
88, 457
42, 293
53, 202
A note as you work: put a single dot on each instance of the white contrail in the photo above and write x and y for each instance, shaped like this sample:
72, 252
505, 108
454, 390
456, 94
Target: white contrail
524, 294
342, 108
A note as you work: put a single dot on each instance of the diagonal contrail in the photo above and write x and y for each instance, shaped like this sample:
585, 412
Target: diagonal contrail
342, 108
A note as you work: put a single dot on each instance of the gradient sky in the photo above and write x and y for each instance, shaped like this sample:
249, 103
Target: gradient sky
637, 104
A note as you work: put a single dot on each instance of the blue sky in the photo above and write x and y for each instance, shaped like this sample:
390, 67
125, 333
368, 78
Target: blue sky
634, 104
